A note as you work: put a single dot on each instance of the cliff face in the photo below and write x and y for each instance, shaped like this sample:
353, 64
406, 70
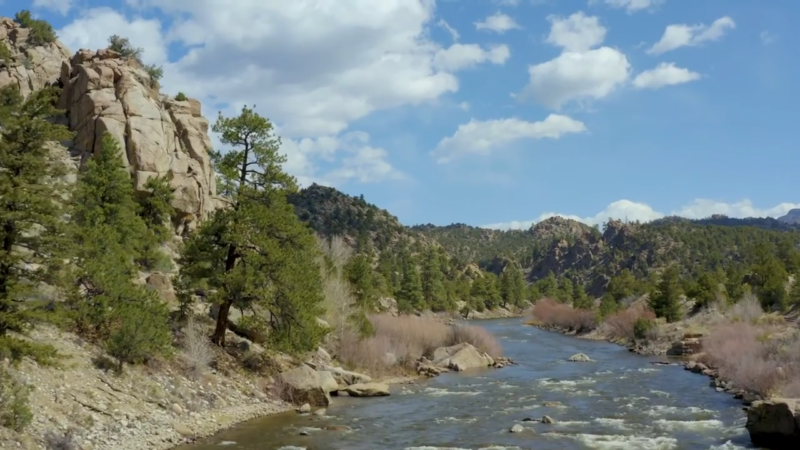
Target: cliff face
104, 93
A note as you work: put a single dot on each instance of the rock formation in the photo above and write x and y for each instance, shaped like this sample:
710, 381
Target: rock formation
105, 93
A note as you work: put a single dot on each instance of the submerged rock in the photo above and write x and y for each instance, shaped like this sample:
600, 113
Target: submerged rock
367, 390
517, 428
579, 357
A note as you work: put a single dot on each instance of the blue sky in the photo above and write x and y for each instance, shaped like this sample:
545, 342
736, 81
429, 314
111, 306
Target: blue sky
493, 112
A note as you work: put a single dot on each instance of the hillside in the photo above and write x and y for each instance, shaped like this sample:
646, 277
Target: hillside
565, 247
792, 217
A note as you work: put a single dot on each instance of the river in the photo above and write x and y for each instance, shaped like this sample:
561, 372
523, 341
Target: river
620, 401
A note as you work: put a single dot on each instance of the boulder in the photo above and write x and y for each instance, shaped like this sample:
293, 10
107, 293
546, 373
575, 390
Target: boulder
579, 357
774, 423
367, 390
461, 357
517, 428
304, 385
345, 377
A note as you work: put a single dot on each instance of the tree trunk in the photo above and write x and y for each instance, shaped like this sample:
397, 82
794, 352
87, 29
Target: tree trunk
222, 323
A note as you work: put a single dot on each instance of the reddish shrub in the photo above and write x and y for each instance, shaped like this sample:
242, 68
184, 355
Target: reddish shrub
552, 313
620, 325
746, 355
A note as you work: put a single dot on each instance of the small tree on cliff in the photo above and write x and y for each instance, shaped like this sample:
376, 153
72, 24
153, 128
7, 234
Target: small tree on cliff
30, 209
256, 252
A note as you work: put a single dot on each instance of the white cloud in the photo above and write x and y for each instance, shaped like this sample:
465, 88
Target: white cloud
497, 22
683, 35
464, 56
576, 33
453, 32
633, 6
581, 72
59, 6
482, 137
355, 159
665, 74
464, 106
767, 37
633, 211
316, 69
507, 2
575, 76
93, 27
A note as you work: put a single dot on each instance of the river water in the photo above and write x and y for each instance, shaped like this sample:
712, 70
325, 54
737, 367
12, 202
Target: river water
620, 401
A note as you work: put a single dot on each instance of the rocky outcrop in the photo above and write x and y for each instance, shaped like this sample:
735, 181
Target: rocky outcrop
305, 385
774, 423
691, 344
461, 357
30, 67
101, 92
367, 390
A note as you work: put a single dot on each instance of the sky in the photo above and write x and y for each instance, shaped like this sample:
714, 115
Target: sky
495, 113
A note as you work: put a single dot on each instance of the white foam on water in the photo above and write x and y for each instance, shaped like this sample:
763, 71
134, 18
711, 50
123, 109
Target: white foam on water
613, 423
227, 443
500, 447
569, 423
292, 447
660, 393
439, 392
620, 442
648, 369
673, 425
660, 410
441, 420
727, 446
430, 447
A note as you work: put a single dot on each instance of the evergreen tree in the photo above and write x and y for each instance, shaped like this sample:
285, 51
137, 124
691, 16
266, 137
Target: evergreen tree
109, 235
794, 293
768, 278
579, 298
256, 253
622, 286
705, 289
665, 300
410, 297
432, 278
30, 210
565, 289
479, 292
358, 272
493, 299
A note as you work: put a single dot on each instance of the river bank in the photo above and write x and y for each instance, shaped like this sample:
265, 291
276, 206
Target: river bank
619, 400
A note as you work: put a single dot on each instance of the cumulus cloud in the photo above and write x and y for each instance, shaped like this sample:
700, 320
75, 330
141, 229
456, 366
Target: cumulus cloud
636, 211
59, 6
665, 74
683, 35
633, 6
576, 33
313, 71
453, 32
465, 56
93, 27
582, 71
497, 22
767, 37
483, 137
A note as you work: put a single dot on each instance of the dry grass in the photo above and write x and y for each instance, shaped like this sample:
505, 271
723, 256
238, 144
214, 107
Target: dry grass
620, 325
552, 313
748, 309
478, 337
761, 358
399, 341
197, 352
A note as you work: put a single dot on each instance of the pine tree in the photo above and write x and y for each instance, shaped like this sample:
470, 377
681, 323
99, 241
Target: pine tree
156, 210
358, 272
622, 286
432, 278
410, 297
257, 253
493, 299
109, 236
579, 298
564, 292
30, 210
665, 300
479, 293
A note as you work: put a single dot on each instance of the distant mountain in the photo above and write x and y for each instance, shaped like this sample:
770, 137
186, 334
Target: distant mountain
793, 217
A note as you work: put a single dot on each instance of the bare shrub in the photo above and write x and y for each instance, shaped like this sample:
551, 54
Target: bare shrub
753, 358
747, 309
552, 313
478, 337
399, 341
336, 249
57, 441
197, 352
338, 301
622, 324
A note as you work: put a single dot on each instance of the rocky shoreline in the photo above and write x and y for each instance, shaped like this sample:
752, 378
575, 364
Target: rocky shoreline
773, 423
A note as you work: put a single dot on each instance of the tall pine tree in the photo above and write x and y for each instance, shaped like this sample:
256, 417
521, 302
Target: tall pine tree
256, 253
30, 209
665, 301
410, 297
